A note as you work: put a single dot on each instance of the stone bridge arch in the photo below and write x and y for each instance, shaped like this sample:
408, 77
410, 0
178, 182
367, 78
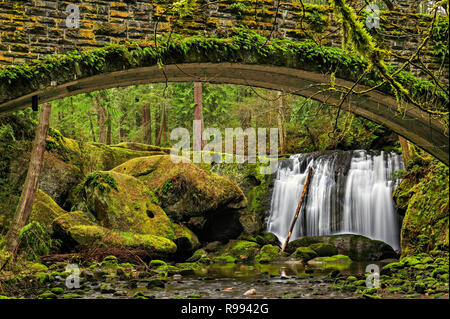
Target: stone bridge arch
203, 47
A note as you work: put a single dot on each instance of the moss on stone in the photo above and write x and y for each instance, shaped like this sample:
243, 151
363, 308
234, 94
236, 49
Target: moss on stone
197, 255
304, 254
324, 249
267, 254
123, 203
44, 209
331, 259
183, 188
78, 228
242, 250
423, 196
223, 259
185, 239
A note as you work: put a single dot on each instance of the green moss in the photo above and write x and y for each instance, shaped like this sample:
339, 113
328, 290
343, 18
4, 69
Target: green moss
267, 254
35, 240
185, 238
47, 295
333, 259
423, 197
44, 210
324, 249
242, 250
243, 47
57, 290
203, 192
197, 255
123, 203
157, 263
304, 254
43, 277
110, 262
223, 259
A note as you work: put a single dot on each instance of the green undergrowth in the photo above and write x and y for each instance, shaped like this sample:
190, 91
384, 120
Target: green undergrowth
423, 198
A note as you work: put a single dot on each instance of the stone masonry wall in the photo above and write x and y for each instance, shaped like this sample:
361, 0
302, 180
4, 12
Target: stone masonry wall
32, 28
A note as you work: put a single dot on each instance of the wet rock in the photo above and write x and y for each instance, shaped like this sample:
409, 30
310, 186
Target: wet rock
121, 202
185, 191
156, 283
324, 249
242, 250
267, 254
77, 229
198, 254
104, 289
358, 248
119, 293
213, 246
304, 254
250, 292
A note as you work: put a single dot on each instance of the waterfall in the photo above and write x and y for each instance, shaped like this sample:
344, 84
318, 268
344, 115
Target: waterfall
350, 193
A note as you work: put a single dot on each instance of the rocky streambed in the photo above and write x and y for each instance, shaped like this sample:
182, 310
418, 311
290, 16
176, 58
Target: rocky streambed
286, 279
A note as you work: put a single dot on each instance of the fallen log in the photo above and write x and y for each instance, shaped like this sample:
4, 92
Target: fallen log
297, 212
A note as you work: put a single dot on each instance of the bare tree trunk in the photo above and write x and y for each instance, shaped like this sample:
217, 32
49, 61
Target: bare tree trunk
157, 125
406, 151
198, 116
162, 134
147, 124
281, 124
29, 189
101, 119
92, 126
108, 129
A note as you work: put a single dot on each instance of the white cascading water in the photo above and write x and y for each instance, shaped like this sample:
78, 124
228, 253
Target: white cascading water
350, 193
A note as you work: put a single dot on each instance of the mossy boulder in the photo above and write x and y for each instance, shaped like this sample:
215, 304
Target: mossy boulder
330, 259
223, 259
123, 203
185, 240
242, 250
267, 254
67, 161
303, 242
185, 191
44, 209
257, 188
266, 238
357, 247
304, 254
57, 178
77, 229
423, 198
324, 249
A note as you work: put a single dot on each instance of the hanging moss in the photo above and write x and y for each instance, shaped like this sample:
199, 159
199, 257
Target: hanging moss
244, 46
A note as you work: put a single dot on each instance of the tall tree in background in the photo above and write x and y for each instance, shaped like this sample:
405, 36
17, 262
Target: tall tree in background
101, 119
162, 133
281, 121
147, 123
198, 116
